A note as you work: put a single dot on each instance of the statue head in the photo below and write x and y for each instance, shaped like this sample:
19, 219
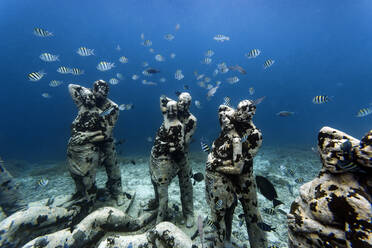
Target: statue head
100, 89
245, 111
172, 109
184, 101
225, 115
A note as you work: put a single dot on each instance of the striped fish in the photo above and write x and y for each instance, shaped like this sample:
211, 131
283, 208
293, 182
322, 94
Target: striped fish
36, 76
204, 147
42, 32
105, 66
253, 53
83, 51
299, 180
219, 204
77, 71
206, 61
113, 81
47, 57
63, 70
320, 99
55, 83
43, 182
226, 101
364, 112
268, 63
210, 223
269, 211
123, 59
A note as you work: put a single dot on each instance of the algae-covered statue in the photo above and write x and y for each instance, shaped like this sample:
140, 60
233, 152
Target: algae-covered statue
91, 143
167, 150
229, 174
335, 208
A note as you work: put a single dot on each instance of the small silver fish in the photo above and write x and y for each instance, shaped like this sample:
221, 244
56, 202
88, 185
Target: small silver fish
233, 80
159, 58
197, 104
221, 38
206, 61
169, 37
212, 91
107, 111
147, 43
46, 95
284, 113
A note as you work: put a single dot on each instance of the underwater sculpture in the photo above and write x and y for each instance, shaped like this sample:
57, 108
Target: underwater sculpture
334, 209
10, 196
91, 143
169, 156
167, 149
229, 174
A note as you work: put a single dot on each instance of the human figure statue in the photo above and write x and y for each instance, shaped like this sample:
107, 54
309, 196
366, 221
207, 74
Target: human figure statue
91, 142
188, 121
229, 174
335, 208
167, 149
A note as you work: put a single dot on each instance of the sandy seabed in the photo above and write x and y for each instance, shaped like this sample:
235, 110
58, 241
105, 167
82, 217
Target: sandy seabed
272, 163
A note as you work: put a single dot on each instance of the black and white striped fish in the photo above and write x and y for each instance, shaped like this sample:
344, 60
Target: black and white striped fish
36, 76
83, 51
43, 182
253, 53
105, 66
77, 71
227, 101
42, 32
47, 57
268, 63
320, 99
204, 147
300, 180
269, 211
219, 204
364, 112
55, 83
63, 70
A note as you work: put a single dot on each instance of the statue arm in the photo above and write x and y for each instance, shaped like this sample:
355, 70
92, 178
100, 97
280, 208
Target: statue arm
76, 93
235, 166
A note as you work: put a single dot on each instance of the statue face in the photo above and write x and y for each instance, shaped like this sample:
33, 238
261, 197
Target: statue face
225, 115
245, 111
184, 101
172, 109
100, 89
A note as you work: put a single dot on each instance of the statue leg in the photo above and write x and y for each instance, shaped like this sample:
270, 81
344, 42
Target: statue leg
113, 172
184, 176
221, 200
247, 185
163, 203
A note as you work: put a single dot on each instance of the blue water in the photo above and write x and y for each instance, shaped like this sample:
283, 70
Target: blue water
320, 47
